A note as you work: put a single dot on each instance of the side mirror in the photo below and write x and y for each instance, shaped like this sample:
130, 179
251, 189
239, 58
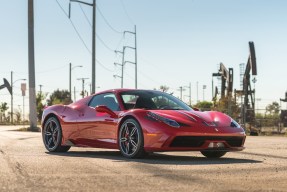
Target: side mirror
105, 109
195, 109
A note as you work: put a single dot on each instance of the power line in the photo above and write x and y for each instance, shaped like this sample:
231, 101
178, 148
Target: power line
149, 78
120, 41
106, 21
105, 45
62, 8
104, 66
80, 37
85, 14
74, 27
99, 38
132, 78
129, 18
52, 69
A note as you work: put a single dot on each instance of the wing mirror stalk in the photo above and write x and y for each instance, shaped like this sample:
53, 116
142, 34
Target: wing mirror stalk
105, 109
195, 109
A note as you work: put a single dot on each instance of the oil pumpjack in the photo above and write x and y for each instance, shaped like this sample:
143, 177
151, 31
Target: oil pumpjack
247, 93
7, 85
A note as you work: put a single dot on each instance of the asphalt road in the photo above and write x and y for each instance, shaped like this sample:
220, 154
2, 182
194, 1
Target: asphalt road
25, 165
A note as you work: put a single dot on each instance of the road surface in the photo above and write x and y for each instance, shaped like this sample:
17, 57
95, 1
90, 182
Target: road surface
25, 165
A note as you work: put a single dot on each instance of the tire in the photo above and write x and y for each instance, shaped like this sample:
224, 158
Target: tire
130, 139
52, 136
213, 154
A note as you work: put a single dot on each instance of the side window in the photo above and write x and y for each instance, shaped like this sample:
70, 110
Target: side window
107, 99
129, 101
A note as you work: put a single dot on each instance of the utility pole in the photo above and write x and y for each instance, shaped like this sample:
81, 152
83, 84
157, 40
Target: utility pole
197, 91
117, 76
70, 80
122, 77
41, 89
135, 48
212, 91
189, 94
23, 89
181, 89
31, 68
83, 86
23, 110
93, 41
12, 97
122, 65
136, 59
74, 93
94, 50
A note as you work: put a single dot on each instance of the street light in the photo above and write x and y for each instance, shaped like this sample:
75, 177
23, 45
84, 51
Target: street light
70, 78
12, 83
203, 88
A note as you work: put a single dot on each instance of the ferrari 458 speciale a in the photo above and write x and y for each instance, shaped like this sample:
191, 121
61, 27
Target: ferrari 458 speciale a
138, 122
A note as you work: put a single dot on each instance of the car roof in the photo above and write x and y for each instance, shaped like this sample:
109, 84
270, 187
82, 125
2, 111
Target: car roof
121, 90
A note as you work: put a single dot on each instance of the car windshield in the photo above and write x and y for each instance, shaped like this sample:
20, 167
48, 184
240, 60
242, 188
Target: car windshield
152, 100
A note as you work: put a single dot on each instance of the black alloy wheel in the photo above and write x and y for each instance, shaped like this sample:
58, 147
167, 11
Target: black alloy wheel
131, 140
52, 136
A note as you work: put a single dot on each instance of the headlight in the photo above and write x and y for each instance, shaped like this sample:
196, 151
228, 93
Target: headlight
234, 124
165, 120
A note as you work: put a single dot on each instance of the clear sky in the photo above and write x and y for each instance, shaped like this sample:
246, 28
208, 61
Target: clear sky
179, 42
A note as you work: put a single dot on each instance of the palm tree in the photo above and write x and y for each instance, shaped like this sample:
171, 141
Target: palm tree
3, 109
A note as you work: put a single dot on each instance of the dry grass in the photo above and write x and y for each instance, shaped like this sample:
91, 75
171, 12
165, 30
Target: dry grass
37, 129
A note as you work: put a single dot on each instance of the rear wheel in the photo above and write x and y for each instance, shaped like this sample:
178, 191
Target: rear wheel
130, 139
52, 136
213, 154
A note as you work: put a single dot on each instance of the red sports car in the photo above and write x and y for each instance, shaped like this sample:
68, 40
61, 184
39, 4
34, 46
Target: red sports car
138, 122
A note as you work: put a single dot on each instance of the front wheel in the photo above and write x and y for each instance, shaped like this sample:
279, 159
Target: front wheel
52, 136
131, 140
213, 154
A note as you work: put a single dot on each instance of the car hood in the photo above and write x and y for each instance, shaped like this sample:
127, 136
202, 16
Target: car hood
210, 118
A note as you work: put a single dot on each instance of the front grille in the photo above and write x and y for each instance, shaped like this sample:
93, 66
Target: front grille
198, 141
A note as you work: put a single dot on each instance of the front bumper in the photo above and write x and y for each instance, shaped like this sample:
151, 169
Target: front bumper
194, 142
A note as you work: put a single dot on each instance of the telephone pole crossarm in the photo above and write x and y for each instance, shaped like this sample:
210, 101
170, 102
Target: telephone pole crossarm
90, 4
130, 62
119, 52
129, 32
129, 47
118, 64
115, 76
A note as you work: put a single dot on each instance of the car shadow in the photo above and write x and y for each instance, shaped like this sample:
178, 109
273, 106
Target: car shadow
155, 158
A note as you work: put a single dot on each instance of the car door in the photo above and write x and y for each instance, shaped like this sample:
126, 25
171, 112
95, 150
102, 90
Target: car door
98, 129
